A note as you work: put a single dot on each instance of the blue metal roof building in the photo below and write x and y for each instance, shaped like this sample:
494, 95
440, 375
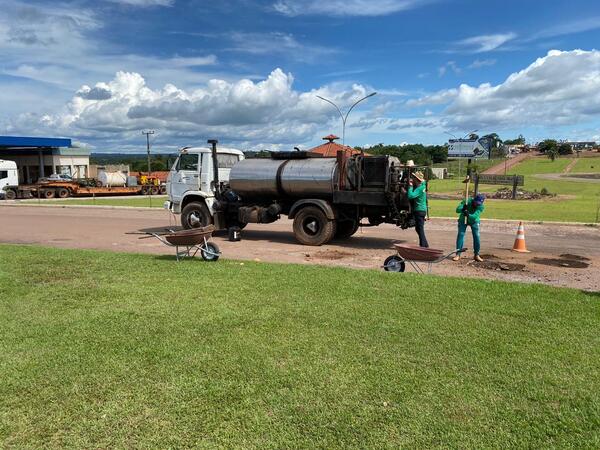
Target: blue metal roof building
38, 157
24, 142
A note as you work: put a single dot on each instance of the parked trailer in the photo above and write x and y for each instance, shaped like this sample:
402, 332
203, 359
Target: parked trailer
88, 188
59, 189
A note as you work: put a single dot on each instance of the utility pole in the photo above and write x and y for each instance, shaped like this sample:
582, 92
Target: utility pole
148, 133
345, 117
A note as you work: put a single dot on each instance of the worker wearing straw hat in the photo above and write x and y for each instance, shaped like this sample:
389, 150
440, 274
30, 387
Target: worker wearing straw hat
417, 193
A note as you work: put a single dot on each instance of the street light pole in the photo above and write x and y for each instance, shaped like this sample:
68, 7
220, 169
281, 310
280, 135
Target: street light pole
148, 133
345, 117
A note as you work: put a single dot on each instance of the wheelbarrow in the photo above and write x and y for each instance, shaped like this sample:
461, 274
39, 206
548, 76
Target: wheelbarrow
188, 243
415, 255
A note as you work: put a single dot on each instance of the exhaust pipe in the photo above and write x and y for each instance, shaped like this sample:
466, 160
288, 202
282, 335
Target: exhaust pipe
213, 143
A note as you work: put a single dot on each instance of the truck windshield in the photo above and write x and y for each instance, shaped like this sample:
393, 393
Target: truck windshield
188, 162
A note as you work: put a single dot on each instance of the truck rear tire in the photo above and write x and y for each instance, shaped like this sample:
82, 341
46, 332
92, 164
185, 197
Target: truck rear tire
312, 227
62, 193
48, 193
195, 215
346, 228
163, 189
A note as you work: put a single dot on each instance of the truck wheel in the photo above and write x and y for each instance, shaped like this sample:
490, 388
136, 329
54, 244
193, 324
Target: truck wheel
195, 215
163, 189
345, 229
62, 193
10, 195
154, 190
48, 193
312, 227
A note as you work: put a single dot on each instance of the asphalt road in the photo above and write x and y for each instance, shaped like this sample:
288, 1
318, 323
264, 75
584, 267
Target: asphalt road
107, 229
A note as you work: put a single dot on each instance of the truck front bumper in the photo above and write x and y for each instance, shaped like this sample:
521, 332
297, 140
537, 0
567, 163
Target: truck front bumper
175, 208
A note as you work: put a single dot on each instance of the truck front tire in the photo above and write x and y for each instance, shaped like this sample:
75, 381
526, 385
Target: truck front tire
10, 195
195, 215
346, 228
312, 227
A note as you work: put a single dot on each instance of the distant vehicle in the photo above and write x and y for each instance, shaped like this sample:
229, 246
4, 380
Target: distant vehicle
8, 175
56, 177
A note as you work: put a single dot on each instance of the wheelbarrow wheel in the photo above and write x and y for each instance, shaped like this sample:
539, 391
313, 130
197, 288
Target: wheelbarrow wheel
394, 264
211, 252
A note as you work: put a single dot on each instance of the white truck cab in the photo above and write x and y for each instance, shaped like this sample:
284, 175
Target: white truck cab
190, 184
8, 175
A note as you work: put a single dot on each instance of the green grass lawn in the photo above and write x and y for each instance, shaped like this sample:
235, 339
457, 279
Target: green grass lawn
155, 201
587, 165
540, 164
128, 351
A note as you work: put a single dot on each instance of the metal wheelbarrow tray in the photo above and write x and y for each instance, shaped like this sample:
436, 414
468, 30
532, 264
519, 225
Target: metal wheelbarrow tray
414, 255
191, 242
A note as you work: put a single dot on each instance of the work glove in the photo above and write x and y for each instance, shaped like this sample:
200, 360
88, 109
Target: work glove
465, 210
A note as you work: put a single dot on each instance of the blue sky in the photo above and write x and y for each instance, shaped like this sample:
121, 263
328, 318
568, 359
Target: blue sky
248, 71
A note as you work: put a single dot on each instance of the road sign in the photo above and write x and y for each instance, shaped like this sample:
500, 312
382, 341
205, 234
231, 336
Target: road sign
508, 180
470, 148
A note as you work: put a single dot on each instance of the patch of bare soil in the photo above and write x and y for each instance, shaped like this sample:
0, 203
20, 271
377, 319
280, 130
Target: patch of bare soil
590, 176
500, 266
331, 254
561, 262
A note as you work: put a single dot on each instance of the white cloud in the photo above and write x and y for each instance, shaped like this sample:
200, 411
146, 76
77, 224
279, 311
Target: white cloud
561, 88
269, 111
144, 3
485, 43
346, 7
569, 27
276, 43
479, 63
450, 65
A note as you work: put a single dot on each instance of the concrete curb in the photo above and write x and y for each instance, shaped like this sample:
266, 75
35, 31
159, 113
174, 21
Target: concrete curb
147, 208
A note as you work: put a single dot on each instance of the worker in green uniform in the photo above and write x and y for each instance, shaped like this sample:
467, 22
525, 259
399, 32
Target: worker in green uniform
469, 216
418, 195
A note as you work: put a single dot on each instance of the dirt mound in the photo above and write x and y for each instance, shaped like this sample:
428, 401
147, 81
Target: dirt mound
506, 194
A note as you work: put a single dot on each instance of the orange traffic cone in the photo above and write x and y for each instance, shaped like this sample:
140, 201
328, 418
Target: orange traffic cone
519, 245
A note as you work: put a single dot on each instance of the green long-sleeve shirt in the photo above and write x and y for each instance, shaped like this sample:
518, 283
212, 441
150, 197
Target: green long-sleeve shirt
473, 212
419, 195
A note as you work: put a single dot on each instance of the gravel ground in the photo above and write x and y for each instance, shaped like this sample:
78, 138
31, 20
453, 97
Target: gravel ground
100, 228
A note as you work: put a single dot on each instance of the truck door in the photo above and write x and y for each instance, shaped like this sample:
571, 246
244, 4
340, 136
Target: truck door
184, 176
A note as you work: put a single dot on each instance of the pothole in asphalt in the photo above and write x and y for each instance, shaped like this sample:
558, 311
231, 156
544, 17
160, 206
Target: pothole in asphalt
574, 257
561, 262
499, 265
332, 254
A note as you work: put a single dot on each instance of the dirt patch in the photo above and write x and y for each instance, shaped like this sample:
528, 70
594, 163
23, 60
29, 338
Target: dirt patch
587, 176
500, 266
561, 262
331, 254
486, 257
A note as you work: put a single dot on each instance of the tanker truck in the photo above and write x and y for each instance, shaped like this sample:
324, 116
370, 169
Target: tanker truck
326, 198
